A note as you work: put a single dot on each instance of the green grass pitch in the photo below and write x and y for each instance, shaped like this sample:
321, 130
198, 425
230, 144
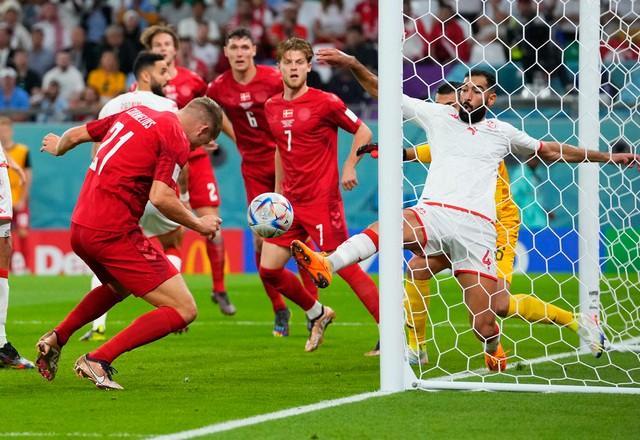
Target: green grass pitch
229, 368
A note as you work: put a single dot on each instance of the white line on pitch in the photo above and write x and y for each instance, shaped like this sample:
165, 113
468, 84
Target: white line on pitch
239, 423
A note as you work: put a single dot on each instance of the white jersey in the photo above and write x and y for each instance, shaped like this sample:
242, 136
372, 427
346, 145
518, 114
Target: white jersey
133, 99
465, 157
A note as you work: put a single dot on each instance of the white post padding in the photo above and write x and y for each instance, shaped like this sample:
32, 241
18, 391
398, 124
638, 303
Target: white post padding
392, 361
588, 174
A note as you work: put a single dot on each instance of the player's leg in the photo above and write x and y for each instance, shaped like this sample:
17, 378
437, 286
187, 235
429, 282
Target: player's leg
416, 302
273, 273
22, 221
99, 325
216, 253
357, 248
9, 356
480, 293
277, 301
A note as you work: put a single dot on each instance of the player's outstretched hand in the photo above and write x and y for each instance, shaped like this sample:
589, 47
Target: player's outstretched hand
333, 57
209, 225
628, 159
371, 149
349, 178
50, 144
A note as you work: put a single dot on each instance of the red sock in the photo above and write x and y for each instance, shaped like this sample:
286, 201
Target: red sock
147, 328
285, 282
95, 304
309, 284
276, 299
25, 249
215, 252
364, 287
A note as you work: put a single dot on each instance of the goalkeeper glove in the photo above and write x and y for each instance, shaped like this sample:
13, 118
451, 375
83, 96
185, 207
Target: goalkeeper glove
372, 149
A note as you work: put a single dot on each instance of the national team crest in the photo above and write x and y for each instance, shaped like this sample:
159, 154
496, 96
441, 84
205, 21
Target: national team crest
287, 113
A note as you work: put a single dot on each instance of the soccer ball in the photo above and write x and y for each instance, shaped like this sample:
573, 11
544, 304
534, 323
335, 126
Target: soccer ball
270, 215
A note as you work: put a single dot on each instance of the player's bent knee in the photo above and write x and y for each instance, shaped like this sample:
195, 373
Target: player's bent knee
485, 328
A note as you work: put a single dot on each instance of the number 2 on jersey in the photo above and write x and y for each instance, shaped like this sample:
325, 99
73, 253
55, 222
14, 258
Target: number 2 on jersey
115, 130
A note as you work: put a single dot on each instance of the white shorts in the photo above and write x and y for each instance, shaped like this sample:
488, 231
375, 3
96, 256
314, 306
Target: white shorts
154, 223
468, 240
6, 205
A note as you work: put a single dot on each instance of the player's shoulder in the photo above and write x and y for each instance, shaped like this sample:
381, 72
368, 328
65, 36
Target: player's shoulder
268, 72
188, 74
274, 100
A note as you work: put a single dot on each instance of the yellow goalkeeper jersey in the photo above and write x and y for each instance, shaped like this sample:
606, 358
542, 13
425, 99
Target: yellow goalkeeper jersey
20, 154
507, 213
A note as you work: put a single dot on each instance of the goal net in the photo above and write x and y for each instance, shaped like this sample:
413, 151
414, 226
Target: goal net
563, 75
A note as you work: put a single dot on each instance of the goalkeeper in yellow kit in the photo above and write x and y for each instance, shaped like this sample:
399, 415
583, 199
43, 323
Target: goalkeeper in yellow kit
527, 307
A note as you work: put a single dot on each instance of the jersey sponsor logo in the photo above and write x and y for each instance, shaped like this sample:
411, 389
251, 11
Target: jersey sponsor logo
287, 123
287, 113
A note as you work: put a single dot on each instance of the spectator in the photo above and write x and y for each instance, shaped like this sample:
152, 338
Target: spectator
5, 46
188, 27
132, 30
13, 98
145, 9
344, 84
366, 14
188, 60
244, 18
96, 20
204, 50
51, 106
86, 106
68, 77
41, 59
262, 13
56, 35
20, 37
174, 11
107, 79
415, 35
488, 47
446, 39
26, 78
357, 45
287, 26
115, 42
331, 25
221, 13
84, 55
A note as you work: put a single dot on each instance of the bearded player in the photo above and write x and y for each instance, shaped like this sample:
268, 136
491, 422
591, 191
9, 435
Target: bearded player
203, 195
241, 92
304, 122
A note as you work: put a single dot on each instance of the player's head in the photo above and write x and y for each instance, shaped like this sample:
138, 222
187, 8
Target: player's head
6, 130
163, 40
294, 61
201, 120
476, 95
240, 49
446, 93
151, 72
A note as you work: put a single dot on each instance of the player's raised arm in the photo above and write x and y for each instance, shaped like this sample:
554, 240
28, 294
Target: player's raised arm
227, 128
553, 151
59, 145
334, 57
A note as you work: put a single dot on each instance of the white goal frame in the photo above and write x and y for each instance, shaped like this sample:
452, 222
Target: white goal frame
395, 372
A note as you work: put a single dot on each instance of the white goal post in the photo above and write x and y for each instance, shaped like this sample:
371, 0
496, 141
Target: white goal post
570, 369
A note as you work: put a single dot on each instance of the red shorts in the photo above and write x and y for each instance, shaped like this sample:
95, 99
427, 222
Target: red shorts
324, 223
129, 258
203, 187
254, 186
21, 218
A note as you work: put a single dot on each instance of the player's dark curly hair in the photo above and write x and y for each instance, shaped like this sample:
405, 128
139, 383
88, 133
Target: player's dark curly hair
294, 43
145, 59
488, 76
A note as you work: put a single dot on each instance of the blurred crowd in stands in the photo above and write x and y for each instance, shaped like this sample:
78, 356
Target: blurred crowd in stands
61, 60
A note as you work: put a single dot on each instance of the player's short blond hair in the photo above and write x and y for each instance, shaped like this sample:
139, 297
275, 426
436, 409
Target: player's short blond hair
208, 111
294, 43
150, 33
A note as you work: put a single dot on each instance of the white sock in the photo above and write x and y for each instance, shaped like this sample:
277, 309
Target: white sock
176, 261
491, 344
355, 249
4, 305
101, 321
314, 311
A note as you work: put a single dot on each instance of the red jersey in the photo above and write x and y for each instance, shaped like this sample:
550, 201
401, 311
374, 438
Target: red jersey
306, 133
185, 86
139, 146
244, 105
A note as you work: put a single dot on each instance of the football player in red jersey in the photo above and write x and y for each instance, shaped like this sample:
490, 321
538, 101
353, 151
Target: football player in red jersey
304, 122
141, 154
241, 92
203, 194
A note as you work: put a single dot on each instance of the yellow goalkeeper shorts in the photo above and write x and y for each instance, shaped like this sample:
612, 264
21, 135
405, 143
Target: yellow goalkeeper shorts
506, 251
